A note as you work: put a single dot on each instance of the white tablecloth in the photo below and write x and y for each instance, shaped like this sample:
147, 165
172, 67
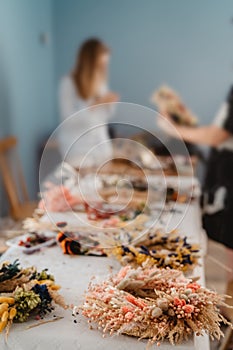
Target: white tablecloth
73, 273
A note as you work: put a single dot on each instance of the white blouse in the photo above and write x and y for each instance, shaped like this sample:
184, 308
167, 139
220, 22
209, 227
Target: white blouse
83, 133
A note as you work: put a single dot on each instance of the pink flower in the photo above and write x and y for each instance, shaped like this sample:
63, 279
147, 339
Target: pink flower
179, 302
58, 199
123, 272
137, 302
126, 309
188, 309
194, 286
129, 316
112, 222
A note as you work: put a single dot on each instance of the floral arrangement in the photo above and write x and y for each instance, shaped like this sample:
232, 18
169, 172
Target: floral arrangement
35, 239
168, 99
25, 292
154, 304
140, 184
12, 276
97, 241
58, 199
159, 249
74, 244
133, 244
117, 214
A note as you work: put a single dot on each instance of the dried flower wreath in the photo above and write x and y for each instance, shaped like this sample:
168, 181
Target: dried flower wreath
161, 250
157, 304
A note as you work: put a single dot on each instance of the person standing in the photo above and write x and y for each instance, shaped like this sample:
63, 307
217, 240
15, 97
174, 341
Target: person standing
86, 89
217, 199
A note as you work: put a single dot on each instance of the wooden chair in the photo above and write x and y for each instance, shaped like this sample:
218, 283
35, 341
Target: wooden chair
20, 206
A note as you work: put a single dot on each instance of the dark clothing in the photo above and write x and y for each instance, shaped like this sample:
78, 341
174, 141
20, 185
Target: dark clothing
219, 224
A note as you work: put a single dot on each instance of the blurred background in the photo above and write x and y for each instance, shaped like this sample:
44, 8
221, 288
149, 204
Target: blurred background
186, 44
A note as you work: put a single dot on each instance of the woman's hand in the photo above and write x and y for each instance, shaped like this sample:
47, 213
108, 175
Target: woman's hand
111, 97
108, 98
209, 135
166, 123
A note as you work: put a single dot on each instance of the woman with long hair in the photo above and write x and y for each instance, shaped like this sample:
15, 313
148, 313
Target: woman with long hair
86, 86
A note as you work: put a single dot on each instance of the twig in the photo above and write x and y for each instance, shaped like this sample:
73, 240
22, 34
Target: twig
44, 322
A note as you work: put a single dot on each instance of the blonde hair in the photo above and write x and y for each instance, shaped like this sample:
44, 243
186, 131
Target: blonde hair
84, 71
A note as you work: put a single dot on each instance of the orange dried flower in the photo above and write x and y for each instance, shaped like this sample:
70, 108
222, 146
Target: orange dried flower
194, 286
179, 302
129, 316
188, 309
126, 309
135, 301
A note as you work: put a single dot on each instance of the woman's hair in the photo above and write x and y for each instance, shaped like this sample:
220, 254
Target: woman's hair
85, 67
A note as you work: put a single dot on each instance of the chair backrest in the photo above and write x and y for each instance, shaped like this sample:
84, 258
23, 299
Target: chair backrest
9, 175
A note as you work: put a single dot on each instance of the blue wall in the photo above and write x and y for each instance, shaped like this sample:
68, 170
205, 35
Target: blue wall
185, 43
26, 76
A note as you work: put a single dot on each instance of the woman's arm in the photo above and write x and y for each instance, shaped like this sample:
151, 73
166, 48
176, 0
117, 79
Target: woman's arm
107, 98
210, 135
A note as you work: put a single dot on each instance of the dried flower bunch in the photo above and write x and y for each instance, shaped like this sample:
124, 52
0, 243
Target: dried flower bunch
33, 295
157, 304
159, 249
102, 211
75, 244
35, 224
97, 240
166, 98
133, 244
58, 199
12, 275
